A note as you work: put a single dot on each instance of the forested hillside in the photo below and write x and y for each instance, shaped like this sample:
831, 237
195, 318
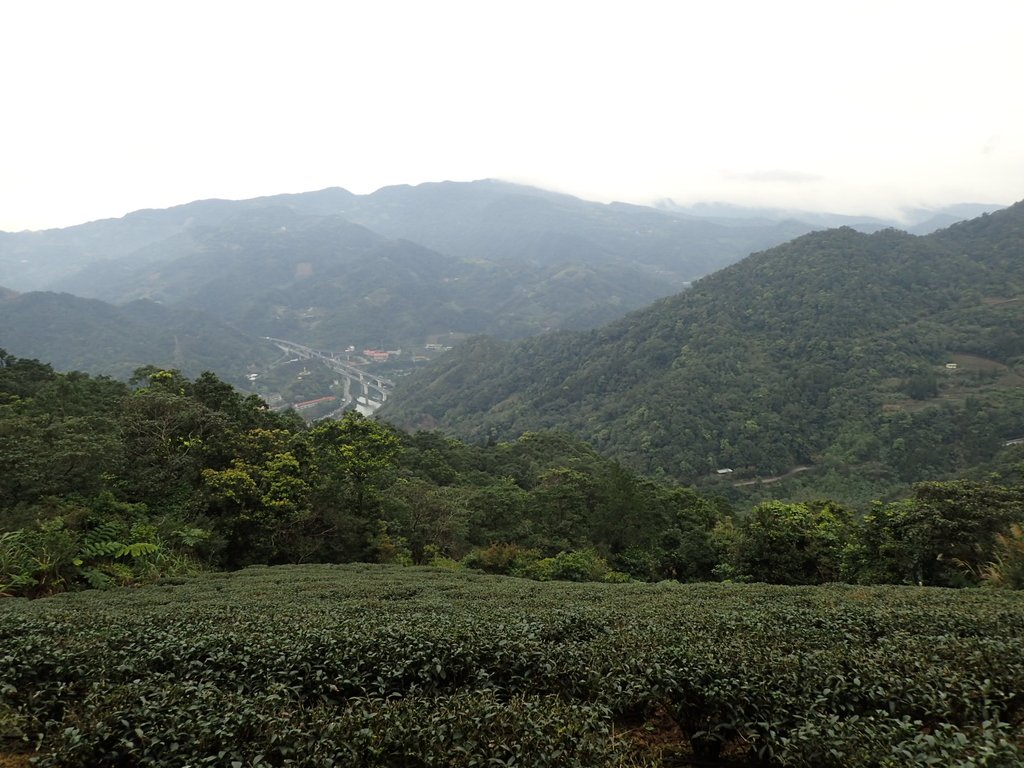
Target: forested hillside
328, 282
104, 482
878, 359
77, 334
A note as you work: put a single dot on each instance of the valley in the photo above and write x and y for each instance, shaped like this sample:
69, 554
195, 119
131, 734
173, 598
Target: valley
651, 395
640, 502
362, 390
830, 350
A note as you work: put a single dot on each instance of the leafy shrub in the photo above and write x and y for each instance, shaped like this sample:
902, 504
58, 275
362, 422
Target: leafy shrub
896, 742
388, 548
501, 558
375, 665
38, 561
639, 563
17, 566
53, 557
584, 565
511, 559
435, 558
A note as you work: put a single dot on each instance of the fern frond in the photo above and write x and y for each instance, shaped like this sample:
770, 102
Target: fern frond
96, 578
138, 549
103, 548
108, 530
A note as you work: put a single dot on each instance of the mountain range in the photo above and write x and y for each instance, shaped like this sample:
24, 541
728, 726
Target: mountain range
334, 269
488, 221
862, 357
76, 334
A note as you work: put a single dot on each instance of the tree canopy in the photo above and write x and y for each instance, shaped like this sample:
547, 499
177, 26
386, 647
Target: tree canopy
107, 482
880, 360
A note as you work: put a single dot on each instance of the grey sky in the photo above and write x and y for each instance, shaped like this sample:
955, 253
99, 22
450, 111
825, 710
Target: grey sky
855, 107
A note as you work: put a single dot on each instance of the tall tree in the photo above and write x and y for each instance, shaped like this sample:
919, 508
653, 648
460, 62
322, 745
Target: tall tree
943, 535
792, 543
354, 457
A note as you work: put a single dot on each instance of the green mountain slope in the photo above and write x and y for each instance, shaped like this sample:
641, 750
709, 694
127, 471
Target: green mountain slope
89, 335
391, 269
831, 350
329, 282
40, 260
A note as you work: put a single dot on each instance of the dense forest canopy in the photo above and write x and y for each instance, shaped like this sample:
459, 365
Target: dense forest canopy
106, 482
878, 360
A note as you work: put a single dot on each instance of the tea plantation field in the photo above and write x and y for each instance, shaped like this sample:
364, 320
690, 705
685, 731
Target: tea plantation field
369, 665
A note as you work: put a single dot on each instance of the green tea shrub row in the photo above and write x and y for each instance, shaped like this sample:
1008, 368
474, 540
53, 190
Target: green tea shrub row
413, 666
197, 723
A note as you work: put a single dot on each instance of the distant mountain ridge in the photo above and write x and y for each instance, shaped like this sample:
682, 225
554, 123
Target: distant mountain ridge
916, 221
484, 220
334, 269
73, 333
457, 218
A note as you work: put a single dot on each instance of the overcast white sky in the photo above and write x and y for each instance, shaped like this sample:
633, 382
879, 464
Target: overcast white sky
859, 107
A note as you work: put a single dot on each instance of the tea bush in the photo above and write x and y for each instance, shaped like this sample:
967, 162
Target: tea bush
371, 665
